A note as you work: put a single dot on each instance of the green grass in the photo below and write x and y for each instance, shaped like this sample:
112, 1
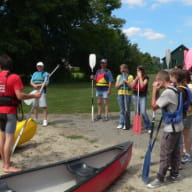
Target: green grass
76, 97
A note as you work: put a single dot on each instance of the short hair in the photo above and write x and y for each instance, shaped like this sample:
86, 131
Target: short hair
125, 66
163, 75
187, 76
6, 62
179, 75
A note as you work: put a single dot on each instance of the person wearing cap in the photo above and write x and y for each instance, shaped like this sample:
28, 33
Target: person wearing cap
11, 94
103, 79
36, 82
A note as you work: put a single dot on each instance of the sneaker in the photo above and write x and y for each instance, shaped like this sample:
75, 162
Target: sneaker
124, 128
172, 179
155, 183
119, 126
149, 131
45, 123
186, 158
105, 118
98, 117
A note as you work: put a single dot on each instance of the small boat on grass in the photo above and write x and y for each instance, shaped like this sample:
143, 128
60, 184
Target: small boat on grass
93, 172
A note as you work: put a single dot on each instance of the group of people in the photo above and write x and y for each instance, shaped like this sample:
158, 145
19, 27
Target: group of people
128, 88
11, 94
176, 140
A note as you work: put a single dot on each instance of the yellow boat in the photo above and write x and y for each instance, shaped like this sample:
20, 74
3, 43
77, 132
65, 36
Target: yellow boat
29, 131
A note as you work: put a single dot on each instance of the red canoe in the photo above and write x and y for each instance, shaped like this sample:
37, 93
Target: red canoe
89, 173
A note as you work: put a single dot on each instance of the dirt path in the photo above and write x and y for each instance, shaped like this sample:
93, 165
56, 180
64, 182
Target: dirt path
73, 135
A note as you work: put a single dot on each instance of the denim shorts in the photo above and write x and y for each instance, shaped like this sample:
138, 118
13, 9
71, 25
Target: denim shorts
101, 94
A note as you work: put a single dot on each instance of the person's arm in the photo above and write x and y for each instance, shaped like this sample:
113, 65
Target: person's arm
21, 96
155, 95
109, 88
118, 84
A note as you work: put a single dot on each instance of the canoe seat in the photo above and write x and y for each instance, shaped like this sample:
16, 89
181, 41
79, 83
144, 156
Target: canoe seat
4, 187
81, 169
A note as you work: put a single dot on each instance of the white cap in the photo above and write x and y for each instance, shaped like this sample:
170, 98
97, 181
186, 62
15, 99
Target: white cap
39, 63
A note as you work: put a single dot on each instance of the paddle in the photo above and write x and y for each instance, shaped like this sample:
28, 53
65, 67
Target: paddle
30, 101
168, 57
137, 118
92, 62
126, 115
31, 110
147, 160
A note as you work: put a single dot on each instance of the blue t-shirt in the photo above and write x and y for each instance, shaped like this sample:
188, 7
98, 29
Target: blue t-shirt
38, 77
108, 78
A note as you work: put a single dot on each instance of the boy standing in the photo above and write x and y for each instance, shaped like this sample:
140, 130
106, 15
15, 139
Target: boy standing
169, 149
103, 79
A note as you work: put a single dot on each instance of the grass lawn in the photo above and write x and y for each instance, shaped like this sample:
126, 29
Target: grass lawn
76, 97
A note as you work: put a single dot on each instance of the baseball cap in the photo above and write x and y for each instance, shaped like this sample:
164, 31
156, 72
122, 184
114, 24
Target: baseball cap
103, 61
39, 63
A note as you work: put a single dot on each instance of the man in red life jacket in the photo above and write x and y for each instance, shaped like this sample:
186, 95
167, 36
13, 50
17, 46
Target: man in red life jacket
10, 96
103, 79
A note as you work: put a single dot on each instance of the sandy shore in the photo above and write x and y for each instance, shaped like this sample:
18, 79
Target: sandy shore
73, 135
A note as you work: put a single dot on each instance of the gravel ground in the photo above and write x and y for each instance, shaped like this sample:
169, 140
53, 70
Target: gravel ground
70, 135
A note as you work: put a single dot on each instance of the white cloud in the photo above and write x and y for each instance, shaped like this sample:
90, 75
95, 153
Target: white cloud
132, 31
150, 34
186, 2
133, 2
147, 33
155, 5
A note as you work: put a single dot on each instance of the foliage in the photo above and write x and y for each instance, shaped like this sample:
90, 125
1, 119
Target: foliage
50, 30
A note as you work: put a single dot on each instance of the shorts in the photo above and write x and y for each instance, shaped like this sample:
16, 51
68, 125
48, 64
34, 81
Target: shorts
8, 123
41, 102
101, 94
187, 122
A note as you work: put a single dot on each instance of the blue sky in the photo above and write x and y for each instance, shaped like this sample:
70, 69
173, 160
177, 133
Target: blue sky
157, 25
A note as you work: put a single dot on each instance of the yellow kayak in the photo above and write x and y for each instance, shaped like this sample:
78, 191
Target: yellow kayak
28, 132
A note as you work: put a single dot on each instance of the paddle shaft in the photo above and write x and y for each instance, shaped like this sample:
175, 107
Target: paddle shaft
31, 110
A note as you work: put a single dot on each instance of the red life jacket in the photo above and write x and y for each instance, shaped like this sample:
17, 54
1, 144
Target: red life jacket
141, 89
5, 98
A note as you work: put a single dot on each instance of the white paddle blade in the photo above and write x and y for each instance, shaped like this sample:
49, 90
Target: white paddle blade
168, 57
92, 61
30, 101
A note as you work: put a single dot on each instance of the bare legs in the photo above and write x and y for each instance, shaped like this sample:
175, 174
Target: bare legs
6, 143
99, 107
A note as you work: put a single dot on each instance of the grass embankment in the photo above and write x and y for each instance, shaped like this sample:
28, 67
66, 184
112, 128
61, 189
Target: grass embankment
76, 97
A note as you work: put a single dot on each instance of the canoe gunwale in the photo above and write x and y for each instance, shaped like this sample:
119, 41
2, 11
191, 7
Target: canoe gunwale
123, 148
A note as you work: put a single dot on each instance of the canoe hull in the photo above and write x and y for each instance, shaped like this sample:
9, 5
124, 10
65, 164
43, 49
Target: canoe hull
93, 172
108, 176
29, 130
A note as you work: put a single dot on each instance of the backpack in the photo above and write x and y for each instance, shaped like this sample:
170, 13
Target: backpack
177, 116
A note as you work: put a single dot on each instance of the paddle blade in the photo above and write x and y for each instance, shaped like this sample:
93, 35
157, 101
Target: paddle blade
146, 165
92, 61
30, 101
168, 57
137, 125
127, 120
